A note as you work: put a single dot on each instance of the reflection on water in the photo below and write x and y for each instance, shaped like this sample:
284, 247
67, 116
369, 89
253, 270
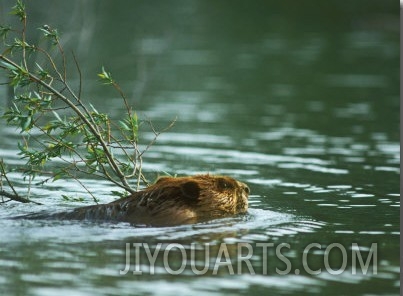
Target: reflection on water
300, 103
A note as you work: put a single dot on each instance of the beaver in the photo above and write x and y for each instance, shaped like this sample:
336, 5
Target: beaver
171, 201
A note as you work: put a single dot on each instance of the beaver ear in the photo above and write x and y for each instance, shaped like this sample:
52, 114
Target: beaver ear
224, 183
191, 190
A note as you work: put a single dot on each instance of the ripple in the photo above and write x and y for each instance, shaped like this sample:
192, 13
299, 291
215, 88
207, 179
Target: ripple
387, 169
296, 185
264, 182
339, 186
372, 232
274, 223
295, 227
186, 138
314, 168
361, 195
345, 231
241, 158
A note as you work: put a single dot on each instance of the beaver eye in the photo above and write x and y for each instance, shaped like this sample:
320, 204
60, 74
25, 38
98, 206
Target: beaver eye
223, 184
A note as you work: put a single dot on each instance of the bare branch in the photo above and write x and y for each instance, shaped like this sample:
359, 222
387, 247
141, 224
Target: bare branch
13, 196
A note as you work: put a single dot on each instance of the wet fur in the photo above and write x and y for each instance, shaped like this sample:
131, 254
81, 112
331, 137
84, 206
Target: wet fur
172, 201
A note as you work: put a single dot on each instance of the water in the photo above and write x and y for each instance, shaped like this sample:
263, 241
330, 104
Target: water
300, 102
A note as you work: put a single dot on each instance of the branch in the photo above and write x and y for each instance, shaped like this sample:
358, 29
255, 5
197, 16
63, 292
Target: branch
13, 196
17, 197
92, 128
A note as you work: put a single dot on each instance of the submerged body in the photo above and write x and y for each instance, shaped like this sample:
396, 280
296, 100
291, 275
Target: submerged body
172, 201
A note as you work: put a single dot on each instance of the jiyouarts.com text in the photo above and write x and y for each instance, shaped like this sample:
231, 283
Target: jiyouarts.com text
252, 258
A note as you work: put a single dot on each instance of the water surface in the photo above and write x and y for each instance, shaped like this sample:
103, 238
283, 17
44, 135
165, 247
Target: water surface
298, 101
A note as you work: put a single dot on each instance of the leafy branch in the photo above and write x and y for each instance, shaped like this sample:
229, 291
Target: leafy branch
57, 125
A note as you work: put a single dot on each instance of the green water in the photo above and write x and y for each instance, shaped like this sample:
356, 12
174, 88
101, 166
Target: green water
300, 100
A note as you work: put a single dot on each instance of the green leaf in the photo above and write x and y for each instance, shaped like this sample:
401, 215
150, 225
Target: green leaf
65, 197
50, 33
42, 73
4, 30
9, 66
58, 175
25, 123
106, 77
69, 198
134, 120
135, 124
93, 109
124, 126
19, 10
57, 116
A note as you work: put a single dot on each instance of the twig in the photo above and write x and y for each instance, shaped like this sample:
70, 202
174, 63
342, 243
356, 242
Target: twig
13, 196
79, 75
82, 185
4, 174
17, 197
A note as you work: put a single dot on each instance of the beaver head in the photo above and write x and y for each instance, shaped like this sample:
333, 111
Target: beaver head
182, 200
